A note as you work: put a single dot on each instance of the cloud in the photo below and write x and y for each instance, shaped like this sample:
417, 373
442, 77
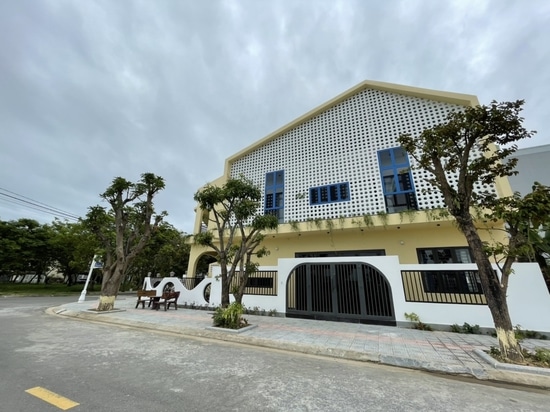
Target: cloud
94, 90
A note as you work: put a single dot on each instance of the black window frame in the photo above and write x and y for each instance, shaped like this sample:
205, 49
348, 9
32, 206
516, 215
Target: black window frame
333, 193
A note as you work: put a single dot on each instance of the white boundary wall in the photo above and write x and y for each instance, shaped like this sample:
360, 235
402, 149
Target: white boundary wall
528, 296
194, 296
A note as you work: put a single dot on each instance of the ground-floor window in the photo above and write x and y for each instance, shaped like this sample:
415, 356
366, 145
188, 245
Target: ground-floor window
339, 253
444, 255
452, 281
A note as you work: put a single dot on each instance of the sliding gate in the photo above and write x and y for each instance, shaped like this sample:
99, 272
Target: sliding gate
349, 292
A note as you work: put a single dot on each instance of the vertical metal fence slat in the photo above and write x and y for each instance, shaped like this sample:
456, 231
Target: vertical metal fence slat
415, 290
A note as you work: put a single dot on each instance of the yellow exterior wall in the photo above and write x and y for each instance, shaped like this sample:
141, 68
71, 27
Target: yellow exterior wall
401, 239
397, 236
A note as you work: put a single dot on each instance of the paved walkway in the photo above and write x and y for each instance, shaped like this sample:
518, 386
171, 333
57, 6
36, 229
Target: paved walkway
442, 352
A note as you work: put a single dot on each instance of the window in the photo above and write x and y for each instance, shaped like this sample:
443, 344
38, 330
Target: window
452, 281
274, 194
449, 281
259, 282
444, 255
340, 253
397, 183
338, 192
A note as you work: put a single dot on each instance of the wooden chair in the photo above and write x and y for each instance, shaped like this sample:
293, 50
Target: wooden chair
169, 298
144, 296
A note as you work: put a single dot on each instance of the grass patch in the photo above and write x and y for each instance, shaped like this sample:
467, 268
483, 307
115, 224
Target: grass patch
540, 358
55, 289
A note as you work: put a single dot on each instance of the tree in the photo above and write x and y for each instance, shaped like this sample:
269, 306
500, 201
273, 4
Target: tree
233, 208
72, 246
167, 251
464, 147
25, 246
124, 230
525, 217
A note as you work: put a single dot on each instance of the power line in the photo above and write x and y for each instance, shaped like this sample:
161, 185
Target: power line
12, 202
29, 203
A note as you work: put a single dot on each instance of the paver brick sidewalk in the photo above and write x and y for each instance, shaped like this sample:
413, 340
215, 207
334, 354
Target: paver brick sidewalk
442, 352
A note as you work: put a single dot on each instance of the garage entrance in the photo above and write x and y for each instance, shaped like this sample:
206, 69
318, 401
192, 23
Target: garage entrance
348, 292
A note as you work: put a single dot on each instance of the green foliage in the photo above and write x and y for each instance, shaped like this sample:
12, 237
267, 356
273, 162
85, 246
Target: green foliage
233, 209
540, 358
53, 289
409, 213
342, 220
318, 222
524, 217
522, 334
542, 355
125, 229
413, 317
494, 351
25, 247
383, 216
72, 246
474, 146
294, 225
230, 317
166, 251
445, 148
466, 328
367, 220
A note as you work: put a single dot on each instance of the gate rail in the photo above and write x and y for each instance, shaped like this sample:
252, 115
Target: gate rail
353, 292
443, 286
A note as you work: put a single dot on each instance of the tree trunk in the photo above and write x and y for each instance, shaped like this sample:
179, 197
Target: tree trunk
225, 284
106, 303
243, 278
225, 289
109, 291
494, 293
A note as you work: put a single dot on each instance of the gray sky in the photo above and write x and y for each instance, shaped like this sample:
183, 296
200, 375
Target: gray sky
91, 90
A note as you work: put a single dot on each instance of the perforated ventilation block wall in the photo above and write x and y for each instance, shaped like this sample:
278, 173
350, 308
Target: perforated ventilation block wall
341, 145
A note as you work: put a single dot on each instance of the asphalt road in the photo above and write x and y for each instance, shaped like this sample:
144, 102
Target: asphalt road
109, 368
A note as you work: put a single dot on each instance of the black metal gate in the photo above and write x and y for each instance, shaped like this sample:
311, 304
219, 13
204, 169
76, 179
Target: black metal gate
349, 292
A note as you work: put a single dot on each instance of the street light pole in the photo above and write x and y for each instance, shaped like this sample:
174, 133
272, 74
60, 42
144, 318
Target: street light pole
82, 297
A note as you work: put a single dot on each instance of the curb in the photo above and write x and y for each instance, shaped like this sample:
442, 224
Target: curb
510, 367
523, 375
495, 371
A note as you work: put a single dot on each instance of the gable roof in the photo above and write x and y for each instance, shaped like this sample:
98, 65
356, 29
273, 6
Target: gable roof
447, 97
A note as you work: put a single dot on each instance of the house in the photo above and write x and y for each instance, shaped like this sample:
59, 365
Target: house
360, 236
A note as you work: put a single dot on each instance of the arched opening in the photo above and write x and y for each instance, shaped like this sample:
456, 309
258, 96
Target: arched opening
203, 264
349, 292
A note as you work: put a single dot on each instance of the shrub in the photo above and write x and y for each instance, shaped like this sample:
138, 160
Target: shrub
526, 334
466, 328
230, 317
542, 355
413, 317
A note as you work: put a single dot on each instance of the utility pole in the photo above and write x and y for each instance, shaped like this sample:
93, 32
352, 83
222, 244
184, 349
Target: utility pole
93, 265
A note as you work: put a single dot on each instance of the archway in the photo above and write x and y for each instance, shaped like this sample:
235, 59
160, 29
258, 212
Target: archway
349, 292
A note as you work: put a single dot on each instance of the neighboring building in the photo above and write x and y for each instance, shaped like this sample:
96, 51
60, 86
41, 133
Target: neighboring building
533, 166
343, 189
